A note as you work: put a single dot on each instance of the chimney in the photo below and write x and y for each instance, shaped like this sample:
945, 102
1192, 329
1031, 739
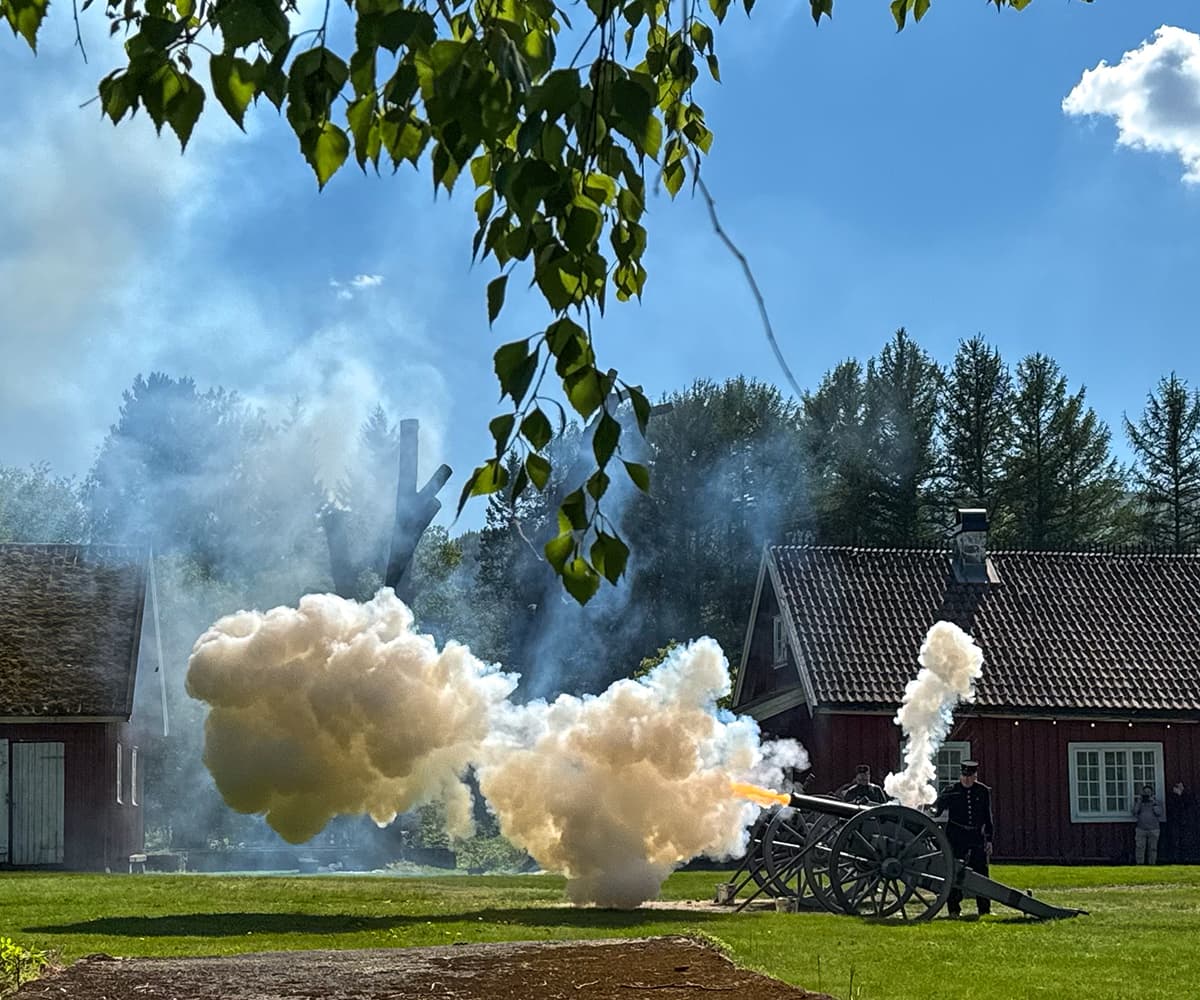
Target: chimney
971, 563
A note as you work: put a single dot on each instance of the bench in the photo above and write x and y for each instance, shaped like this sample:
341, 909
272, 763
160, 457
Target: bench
140, 861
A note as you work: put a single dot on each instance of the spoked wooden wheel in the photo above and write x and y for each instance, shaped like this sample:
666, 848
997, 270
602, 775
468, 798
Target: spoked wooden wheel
785, 847
891, 859
822, 834
755, 860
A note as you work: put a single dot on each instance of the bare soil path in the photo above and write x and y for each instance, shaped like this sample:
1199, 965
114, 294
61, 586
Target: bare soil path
665, 968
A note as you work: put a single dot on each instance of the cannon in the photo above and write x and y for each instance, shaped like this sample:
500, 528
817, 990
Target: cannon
873, 861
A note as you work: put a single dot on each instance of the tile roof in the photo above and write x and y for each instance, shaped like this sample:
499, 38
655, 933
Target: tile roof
70, 623
1101, 632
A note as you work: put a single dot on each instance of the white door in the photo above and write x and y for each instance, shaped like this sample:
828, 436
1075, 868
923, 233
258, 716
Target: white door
3, 802
37, 803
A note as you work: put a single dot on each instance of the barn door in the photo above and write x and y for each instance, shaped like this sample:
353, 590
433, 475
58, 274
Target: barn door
37, 803
3, 802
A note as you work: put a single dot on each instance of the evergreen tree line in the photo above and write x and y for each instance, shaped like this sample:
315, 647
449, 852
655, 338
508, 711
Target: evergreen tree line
892, 449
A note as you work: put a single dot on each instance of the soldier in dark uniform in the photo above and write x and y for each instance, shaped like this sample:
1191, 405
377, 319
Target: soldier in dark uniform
969, 828
861, 791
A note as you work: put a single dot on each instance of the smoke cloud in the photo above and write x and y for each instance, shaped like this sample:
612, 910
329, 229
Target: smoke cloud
338, 707
617, 790
951, 663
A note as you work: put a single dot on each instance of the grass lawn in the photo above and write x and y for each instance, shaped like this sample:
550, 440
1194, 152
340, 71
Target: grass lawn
1141, 939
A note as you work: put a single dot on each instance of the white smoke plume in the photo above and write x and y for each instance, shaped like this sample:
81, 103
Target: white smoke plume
615, 791
338, 707
951, 663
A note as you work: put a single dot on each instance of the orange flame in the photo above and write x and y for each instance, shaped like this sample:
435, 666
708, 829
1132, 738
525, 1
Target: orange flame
763, 796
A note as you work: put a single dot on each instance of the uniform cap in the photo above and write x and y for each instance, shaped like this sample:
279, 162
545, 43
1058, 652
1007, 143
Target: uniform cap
969, 766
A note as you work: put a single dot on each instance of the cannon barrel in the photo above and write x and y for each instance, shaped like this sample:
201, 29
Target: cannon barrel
826, 806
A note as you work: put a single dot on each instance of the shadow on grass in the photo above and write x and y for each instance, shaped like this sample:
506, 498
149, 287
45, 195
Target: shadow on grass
216, 925
227, 924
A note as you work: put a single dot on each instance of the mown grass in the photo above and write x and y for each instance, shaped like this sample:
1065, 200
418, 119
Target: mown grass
1140, 939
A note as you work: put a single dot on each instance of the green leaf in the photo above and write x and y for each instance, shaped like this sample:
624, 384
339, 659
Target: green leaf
490, 477
921, 7
610, 556
233, 81
118, 93
535, 428
326, 148
714, 67
183, 111
580, 579
820, 7
604, 441
572, 512
501, 428
515, 367
25, 18
243, 22
584, 223
495, 297
556, 94
597, 484
538, 469
583, 390
673, 175
559, 549
360, 116
639, 475
900, 12
641, 407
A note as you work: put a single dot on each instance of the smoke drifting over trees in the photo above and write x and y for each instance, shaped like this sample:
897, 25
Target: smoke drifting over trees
880, 451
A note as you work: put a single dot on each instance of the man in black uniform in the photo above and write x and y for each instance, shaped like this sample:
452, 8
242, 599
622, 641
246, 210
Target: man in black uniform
969, 828
861, 791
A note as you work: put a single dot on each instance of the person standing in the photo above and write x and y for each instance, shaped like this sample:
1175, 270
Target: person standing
861, 791
1147, 814
969, 828
1180, 831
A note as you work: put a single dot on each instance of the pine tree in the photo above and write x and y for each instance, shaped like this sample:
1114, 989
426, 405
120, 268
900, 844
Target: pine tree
977, 427
1032, 485
1166, 443
836, 437
903, 390
1092, 482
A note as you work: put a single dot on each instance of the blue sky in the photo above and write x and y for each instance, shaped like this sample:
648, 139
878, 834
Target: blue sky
930, 179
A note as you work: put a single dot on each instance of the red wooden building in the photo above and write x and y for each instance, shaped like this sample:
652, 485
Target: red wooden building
71, 621
1090, 686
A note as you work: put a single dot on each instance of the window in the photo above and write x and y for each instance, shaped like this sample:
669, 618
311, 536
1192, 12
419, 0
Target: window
120, 755
778, 642
1104, 778
133, 776
949, 757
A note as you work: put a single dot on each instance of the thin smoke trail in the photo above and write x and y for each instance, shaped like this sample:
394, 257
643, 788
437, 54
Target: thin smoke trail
951, 663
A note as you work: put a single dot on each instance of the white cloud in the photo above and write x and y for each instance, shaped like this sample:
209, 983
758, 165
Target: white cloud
346, 290
1154, 95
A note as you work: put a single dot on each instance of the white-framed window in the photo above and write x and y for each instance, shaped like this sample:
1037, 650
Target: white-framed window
120, 758
133, 777
949, 757
778, 642
1104, 778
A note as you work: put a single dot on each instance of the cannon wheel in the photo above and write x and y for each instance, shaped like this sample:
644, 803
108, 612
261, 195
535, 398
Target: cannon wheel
823, 833
892, 859
784, 851
756, 862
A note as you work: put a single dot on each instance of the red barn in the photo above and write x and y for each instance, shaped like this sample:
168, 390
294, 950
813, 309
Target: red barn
70, 772
1090, 686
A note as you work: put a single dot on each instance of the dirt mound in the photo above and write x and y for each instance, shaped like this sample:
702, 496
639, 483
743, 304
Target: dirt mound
677, 968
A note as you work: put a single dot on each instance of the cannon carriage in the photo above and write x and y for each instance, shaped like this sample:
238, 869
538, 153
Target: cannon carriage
873, 861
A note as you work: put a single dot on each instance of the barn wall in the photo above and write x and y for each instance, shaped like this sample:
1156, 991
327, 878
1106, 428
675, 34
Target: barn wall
763, 678
1026, 766
97, 833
